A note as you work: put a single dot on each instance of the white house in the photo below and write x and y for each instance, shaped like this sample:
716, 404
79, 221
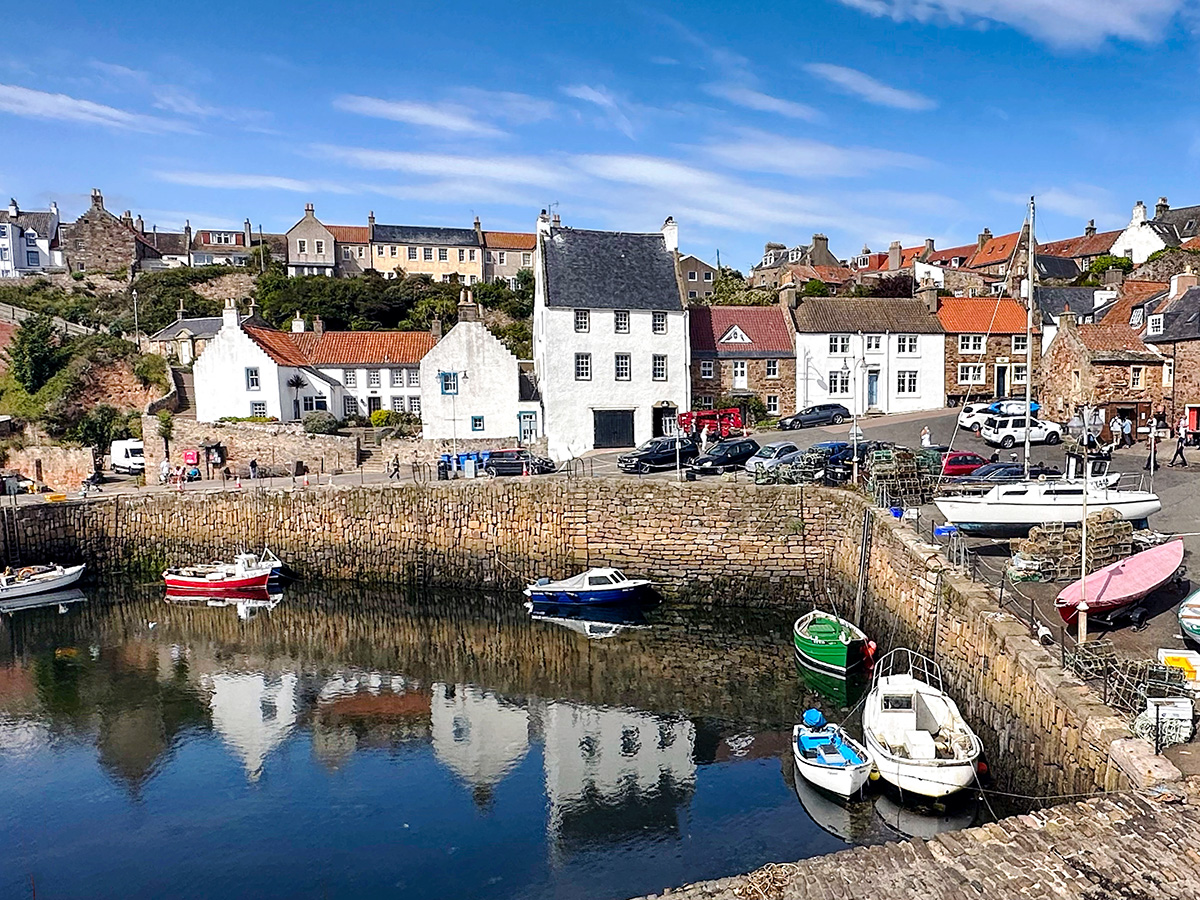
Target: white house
1169, 228
251, 369
877, 355
473, 387
610, 336
28, 240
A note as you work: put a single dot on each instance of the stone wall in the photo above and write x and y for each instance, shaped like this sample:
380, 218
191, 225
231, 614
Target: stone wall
234, 284
61, 468
414, 450
1173, 262
999, 347
1185, 390
98, 240
275, 445
757, 382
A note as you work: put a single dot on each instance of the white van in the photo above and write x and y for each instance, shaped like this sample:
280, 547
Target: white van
127, 456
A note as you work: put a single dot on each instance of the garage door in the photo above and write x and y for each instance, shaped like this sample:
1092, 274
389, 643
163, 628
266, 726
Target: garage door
614, 427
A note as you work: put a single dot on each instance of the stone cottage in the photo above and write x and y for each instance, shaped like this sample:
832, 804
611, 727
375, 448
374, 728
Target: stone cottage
986, 351
100, 241
743, 351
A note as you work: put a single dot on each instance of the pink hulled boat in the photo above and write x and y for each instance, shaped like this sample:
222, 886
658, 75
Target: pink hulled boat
1122, 583
247, 573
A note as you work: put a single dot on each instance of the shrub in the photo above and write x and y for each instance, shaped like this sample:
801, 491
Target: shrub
383, 418
166, 424
151, 368
321, 422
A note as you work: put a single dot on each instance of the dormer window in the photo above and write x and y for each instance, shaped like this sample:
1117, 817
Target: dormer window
1137, 317
1155, 327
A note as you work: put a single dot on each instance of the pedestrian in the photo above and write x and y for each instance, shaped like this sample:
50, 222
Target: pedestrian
926, 437
253, 469
1116, 430
394, 467
1126, 431
704, 438
1180, 443
164, 471
995, 456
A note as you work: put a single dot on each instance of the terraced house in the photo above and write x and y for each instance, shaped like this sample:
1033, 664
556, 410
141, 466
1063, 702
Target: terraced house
505, 254
445, 254
987, 354
740, 352
29, 240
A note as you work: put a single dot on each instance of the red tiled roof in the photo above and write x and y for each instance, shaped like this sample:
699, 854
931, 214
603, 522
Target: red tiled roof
1193, 244
909, 255
342, 348
996, 250
878, 262
764, 325
350, 234
276, 344
1084, 245
802, 274
1112, 337
943, 257
509, 240
981, 315
1132, 293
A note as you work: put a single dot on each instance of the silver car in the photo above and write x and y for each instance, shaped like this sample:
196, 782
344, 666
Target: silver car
770, 455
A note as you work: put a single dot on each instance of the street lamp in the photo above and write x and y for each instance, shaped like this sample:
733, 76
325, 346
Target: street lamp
855, 432
1079, 430
136, 330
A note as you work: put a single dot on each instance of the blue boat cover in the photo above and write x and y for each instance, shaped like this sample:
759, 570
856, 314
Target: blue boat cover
827, 748
813, 718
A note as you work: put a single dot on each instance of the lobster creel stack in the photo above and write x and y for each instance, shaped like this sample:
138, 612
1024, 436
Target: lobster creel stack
897, 473
1052, 551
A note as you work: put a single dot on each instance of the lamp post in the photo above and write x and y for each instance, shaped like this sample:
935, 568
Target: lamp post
1080, 430
854, 429
136, 330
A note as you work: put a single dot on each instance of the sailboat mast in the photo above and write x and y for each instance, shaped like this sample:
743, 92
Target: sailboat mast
1029, 276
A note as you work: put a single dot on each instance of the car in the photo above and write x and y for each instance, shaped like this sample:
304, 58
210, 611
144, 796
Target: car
770, 455
821, 414
659, 453
961, 463
127, 456
828, 448
517, 461
973, 415
1007, 431
999, 472
725, 456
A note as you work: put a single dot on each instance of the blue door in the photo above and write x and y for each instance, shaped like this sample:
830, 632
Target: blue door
872, 389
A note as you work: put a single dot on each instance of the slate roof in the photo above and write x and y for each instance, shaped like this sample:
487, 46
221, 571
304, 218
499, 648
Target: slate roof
1181, 319
1180, 219
424, 234
509, 240
1060, 267
981, 315
609, 270
173, 243
1083, 246
1053, 300
41, 223
838, 315
350, 234
200, 326
1115, 343
996, 250
764, 325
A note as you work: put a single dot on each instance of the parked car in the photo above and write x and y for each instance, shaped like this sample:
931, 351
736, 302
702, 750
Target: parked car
770, 455
961, 463
828, 448
725, 456
658, 453
821, 414
999, 472
517, 462
973, 415
1008, 430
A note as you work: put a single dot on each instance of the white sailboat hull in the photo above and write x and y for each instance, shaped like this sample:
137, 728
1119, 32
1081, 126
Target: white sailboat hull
40, 584
1004, 512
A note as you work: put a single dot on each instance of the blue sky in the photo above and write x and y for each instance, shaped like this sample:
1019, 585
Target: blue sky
868, 120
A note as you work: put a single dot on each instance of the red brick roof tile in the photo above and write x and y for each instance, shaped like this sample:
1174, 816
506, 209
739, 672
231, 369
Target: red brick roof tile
981, 315
1084, 245
1106, 338
342, 348
943, 257
1193, 244
996, 250
509, 240
764, 325
276, 344
1132, 293
350, 234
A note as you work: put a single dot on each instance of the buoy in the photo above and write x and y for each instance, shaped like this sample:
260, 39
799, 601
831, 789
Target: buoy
982, 768
239, 482
874, 776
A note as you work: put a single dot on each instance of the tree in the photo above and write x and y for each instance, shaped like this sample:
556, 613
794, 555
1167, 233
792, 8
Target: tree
892, 286
321, 422
35, 354
731, 289
1102, 264
295, 383
815, 288
166, 428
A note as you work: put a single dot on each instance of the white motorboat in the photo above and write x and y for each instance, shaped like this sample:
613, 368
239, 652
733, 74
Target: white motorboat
914, 732
595, 586
828, 757
31, 580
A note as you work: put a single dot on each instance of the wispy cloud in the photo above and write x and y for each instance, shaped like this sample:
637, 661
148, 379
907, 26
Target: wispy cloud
31, 104
760, 151
508, 169
749, 98
1079, 201
442, 117
251, 182
184, 103
603, 98
1062, 23
507, 106
870, 89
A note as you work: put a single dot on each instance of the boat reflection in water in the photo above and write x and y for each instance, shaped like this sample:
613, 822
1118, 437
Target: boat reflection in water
248, 602
595, 622
844, 692
912, 819
852, 821
62, 599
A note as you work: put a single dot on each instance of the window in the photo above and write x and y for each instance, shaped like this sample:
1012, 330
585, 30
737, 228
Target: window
583, 367
1137, 317
1020, 373
491, 257
397, 377
1168, 373
220, 237
350, 377
658, 367
705, 402
414, 377
1020, 345
412, 252
258, 409
477, 423
443, 255
772, 404
449, 382
906, 382
772, 368
512, 282
691, 295
373, 379
399, 404
971, 373
320, 246
1155, 326
308, 403
361, 252
320, 402
252, 378
708, 276
906, 344
621, 321
1137, 377
623, 367
427, 254
446, 279
839, 344
3, 231
502, 258
526, 259
301, 246
349, 407
874, 343
346, 254
392, 251
379, 250
31, 258
471, 255
660, 323
583, 320
473, 279
692, 276
4, 254
970, 343
706, 368
839, 383
462, 255
414, 405
708, 293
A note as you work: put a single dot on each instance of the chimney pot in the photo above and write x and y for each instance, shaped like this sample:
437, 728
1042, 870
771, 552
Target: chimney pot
318, 325
557, 220
298, 323
1090, 231
1161, 208
97, 198
435, 328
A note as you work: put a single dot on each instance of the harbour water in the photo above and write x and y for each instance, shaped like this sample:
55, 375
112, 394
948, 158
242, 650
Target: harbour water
351, 744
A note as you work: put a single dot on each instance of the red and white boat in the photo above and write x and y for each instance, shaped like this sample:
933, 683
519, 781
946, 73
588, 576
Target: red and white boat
1122, 583
247, 573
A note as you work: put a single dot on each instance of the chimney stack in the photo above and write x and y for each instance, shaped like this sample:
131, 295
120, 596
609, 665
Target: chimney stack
97, 199
13, 209
1181, 282
1114, 276
54, 208
543, 223
139, 224
229, 315
435, 328
984, 237
1161, 208
1066, 318
556, 221
788, 297
928, 294
318, 326
894, 256
467, 310
1139, 213
1090, 231
308, 211
928, 249
298, 323
247, 233
127, 218
670, 233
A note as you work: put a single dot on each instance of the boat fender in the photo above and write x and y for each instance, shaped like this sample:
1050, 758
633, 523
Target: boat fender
543, 580
813, 718
25, 572
869, 650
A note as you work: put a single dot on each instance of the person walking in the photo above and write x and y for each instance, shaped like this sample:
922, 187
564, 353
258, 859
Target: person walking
253, 469
1126, 431
1180, 443
1116, 431
926, 437
394, 467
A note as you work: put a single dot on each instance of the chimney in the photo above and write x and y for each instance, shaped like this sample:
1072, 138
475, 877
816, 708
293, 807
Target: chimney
1090, 231
247, 233
1114, 276
467, 310
543, 223
318, 326
54, 208
894, 256
1066, 319
187, 239
97, 199
928, 294
556, 221
478, 232
298, 323
670, 233
1161, 208
180, 310
308, 211
155, 233
127, 218
435, 328
788, 297
1139, 213
1181, 282
984, 237
928, 249
139, 224
13, 209
820, 249
229, 315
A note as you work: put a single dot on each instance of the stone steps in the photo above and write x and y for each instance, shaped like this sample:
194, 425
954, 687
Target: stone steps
185, 390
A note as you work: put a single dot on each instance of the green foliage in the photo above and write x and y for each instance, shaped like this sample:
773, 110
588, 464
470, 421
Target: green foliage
150, 368
35, 354
731, 289
382, 418
1102, 264
815, 287
159, 295
100, 426
517, 337
166, 424
260, 420
755, 408
321, 422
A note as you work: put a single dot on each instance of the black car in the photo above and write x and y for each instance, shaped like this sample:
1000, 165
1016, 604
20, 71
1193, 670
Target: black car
725, 456
517, 462
658, 453
821, 414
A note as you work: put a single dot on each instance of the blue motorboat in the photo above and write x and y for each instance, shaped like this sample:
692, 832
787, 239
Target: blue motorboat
595, 586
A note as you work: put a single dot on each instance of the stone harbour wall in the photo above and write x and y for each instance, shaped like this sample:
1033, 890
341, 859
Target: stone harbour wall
61, 468
274, 445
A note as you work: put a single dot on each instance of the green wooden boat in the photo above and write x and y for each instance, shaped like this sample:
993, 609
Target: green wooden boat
825, 643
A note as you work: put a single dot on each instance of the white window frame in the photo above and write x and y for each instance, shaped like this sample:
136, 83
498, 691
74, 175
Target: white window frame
908, 383
301, 245
708, 276
772, 368
1137, 378
443, 255
349, 407
583, 321
462, 255
32, 258
346, 254
692, 275
1154, 325
658, 367
1020, 373
873, 343
399, 403
907, 344
414, 405
620, 321
412, 253
253, 379
414, 377
526, 260
427, 254
1020, 345
707, 369
502, 258
583, 367
258, 409
706, 402
839, 383
318, 247
1168, 375
397, 377
374, 378
622, 367
350, 378
839, 345
772, 404
308, 403
972, 373
658, 322
971, 343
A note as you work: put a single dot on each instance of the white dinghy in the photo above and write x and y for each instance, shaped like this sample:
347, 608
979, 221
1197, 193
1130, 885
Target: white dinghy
914, 731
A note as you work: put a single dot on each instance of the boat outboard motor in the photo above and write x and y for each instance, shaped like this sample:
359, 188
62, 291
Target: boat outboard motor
814, 718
